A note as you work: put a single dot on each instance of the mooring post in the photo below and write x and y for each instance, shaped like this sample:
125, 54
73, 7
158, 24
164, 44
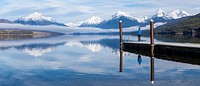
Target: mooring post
152, 32
120, 30
152, 50
120, 37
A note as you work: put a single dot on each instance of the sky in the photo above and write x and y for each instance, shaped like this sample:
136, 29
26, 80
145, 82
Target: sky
78, 10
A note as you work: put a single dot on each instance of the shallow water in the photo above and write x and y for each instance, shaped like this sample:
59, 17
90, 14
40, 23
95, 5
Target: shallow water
86, 61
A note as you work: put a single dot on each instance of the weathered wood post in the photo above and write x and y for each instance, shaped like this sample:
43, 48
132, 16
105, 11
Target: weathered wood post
120, 31
152, 50
120, 36
152, 32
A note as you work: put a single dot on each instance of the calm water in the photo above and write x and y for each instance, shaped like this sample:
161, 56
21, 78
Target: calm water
86, 61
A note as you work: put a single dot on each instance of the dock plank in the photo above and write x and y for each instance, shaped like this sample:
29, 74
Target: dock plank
170, 44
181, 52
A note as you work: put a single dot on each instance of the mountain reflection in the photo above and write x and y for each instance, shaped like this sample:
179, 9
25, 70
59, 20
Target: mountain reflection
39, 49
92, 61
93, 47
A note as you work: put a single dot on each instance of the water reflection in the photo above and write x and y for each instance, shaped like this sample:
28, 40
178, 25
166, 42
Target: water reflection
70, 61
139, 59
94, 47
121, 61
152, 64
152, 70
179, 38
37, 49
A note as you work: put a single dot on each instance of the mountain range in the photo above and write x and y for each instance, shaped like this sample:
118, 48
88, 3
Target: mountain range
95, 21
128, 20
34, 19
92, 22
37, 19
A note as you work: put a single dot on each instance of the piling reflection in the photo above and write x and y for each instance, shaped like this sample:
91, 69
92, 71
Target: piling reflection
152, 64
139, 60
121, 61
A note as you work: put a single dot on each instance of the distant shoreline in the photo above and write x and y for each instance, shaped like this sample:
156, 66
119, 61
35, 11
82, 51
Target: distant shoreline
14, 34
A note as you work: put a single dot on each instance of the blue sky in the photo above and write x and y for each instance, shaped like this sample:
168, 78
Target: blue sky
78, 10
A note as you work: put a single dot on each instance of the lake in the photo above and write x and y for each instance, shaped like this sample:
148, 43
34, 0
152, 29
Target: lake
86, 60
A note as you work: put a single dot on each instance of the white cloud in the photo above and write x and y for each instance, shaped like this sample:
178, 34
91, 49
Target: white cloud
83, 9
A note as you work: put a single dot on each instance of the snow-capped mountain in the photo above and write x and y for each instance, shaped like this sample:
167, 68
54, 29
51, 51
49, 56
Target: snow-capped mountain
36, 16
120, 14
160, 16
37, 19
160, 13
142, 19
139, 19
72, 24
127, 20
177, 14
92, 22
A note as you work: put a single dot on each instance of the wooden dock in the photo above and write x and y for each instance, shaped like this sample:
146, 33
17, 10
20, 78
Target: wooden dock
180, 52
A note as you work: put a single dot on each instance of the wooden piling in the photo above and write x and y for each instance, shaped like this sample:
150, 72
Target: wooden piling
121, 54
152, 50
120, 36
151, 32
